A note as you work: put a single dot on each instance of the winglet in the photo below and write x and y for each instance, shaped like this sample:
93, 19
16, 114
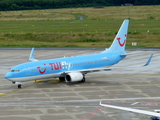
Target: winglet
31, 57
149, 60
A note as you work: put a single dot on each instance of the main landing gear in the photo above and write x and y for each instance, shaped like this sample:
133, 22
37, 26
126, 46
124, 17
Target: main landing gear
61, 79
84, 79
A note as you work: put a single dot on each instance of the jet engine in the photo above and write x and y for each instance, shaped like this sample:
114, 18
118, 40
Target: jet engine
73, 77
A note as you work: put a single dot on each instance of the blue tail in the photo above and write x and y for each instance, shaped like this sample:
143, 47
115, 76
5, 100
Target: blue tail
119, 42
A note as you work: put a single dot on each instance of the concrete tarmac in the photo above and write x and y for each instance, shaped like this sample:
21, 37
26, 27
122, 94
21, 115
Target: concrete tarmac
129, 84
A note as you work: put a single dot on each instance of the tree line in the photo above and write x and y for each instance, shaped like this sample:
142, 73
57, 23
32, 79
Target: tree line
51, 4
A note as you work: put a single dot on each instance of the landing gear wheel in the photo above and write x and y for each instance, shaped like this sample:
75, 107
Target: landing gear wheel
154, 118
61, 79
83, 80
19, 86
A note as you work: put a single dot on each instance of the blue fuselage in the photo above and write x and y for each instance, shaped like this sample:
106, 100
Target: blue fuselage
55, 67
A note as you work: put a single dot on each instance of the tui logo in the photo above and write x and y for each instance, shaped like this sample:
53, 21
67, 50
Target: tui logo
53, 66
119, 41
41, 72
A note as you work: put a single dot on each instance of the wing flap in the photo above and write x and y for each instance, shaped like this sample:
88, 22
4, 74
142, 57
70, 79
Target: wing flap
85, 71
95, 70
123, 55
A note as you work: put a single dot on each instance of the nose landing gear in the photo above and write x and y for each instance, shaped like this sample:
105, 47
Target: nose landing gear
19, 84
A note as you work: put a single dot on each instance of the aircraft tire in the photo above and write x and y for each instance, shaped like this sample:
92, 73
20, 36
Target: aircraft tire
19, 86
83, 80
61, 78
154, 118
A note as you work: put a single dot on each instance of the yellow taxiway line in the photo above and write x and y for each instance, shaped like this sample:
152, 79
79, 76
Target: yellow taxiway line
16, 92
37, 81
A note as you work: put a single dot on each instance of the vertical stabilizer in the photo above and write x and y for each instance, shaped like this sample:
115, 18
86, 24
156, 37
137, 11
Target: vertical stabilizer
119, 42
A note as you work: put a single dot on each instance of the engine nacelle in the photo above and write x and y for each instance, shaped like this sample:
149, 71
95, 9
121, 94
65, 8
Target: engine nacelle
73, 77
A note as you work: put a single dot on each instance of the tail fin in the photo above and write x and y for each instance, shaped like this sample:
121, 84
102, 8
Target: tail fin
119, 42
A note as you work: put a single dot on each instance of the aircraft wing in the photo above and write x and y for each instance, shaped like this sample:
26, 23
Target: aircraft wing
85, 71
146, 64
132, 110
94, 70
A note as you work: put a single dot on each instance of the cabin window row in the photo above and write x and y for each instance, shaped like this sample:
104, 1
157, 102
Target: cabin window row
73, 64
89, 62
15, 70
41, 68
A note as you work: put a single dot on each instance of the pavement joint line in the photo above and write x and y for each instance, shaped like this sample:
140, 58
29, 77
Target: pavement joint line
90, 100
92, 113
16, 91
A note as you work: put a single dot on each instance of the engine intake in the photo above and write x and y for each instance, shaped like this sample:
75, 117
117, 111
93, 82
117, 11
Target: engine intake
73, 77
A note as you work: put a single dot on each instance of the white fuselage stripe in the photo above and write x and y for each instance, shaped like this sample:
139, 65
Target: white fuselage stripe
23, 79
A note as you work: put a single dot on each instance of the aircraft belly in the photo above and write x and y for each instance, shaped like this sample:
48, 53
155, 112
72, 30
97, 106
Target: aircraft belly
28, 78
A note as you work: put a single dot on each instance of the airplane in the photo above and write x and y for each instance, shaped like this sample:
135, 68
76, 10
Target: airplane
153, 114
71, 69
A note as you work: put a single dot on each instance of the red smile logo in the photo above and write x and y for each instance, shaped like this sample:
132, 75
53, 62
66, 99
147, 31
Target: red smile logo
121, 44
39, 68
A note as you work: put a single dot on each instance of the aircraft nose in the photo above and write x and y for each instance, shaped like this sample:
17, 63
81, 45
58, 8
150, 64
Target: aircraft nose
8, 75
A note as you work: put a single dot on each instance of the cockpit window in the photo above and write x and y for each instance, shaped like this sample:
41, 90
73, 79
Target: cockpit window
15, 70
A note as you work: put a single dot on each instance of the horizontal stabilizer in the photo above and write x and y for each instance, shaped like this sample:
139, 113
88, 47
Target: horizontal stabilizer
131, 110
126, 54
123, 55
